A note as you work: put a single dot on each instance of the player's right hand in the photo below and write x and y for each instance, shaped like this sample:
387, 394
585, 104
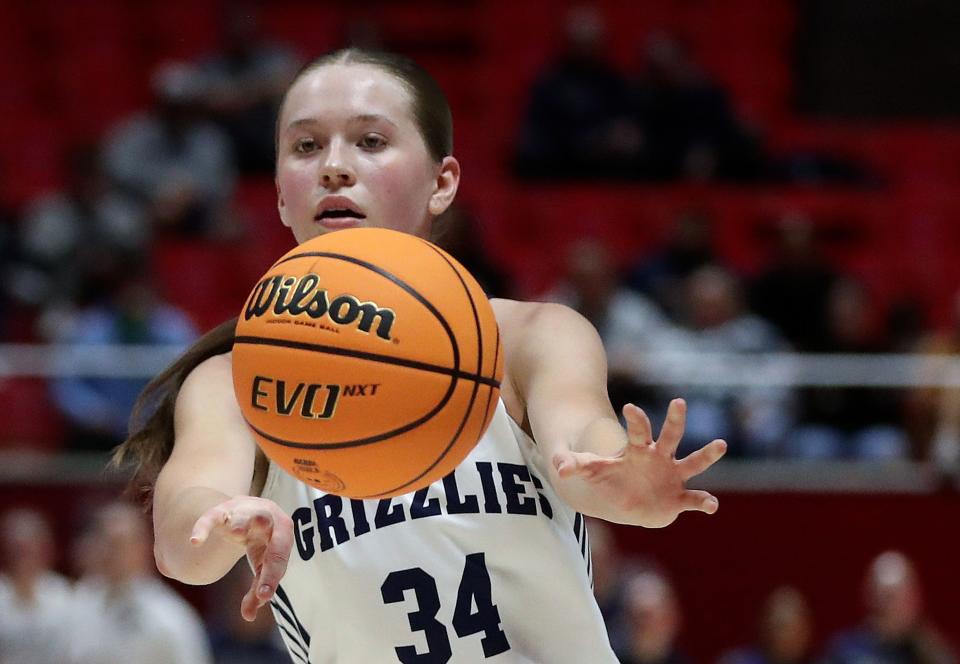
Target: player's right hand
266, 532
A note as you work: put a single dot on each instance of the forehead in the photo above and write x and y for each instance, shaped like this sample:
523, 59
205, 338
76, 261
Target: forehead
342, 91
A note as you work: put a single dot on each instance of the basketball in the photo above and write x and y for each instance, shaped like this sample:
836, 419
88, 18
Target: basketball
367, 362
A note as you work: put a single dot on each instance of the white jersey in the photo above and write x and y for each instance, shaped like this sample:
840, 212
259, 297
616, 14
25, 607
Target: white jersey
486, 564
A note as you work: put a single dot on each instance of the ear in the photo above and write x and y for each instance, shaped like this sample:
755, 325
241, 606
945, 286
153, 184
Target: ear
281, 206
448, 179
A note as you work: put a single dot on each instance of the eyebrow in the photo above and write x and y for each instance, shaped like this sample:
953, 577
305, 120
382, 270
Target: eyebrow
363, 117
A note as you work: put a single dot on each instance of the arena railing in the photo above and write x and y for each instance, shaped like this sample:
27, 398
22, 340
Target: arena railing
674, 369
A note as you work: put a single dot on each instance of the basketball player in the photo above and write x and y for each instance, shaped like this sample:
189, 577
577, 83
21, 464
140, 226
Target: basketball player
493, 561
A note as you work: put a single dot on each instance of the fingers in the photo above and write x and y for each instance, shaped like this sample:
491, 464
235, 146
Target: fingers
271, 555
275, 558
216, 516
566, 463
237, 522
672, 430
251, 603
639, 431
697, 462
579, 463
699, 501
264, 530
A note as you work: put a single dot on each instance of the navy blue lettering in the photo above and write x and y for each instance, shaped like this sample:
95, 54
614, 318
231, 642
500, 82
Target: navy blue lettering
421, 507
328, 509
475, 592
455, 504
491, 503
424, 619
303, 533
545, 506
388, 513
360, 523
509, 474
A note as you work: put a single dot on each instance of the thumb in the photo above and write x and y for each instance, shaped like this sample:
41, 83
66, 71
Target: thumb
569, 463
564, 463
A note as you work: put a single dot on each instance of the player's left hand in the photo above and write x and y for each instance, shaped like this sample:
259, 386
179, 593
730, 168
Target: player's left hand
644, 484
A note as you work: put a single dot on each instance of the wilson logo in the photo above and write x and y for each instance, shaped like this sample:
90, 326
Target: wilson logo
302, 296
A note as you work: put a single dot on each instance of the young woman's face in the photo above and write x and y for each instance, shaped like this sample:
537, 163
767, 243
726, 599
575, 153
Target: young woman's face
350, 154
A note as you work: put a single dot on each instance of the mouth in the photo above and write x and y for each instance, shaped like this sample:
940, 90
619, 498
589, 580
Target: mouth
339, 214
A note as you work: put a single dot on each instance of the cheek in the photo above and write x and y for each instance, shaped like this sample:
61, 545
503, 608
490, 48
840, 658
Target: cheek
402, 192
295, 186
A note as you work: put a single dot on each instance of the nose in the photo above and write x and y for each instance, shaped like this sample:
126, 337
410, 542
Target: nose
335, 172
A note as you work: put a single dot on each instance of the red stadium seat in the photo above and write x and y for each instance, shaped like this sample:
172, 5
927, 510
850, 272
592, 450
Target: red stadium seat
28, 419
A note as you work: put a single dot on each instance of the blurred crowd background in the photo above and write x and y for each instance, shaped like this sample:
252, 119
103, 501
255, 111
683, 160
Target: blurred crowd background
694, 176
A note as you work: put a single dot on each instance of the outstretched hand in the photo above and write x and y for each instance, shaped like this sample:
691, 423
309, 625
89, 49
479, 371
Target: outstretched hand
644, 484
264, 530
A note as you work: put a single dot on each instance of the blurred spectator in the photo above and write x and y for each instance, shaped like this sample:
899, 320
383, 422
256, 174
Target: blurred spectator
123, 613
933, 413
576, 122
818, 167
628, 323
689, 247
177, 164
753, 419
460, 234
244, 84
97, 408
905, 323
894, 630
65, 235
856, 422
794, 291
33, 598
7, 273
688, 126
785, 632
608, 573
653, 621
235, 640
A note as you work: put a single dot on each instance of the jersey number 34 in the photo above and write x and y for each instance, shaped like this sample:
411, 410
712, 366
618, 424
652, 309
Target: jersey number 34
474, 592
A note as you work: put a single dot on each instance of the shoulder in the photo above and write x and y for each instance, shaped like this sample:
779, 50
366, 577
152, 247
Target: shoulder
208, 385
515, 317
213, 371
523, 326
543, 342
533, 329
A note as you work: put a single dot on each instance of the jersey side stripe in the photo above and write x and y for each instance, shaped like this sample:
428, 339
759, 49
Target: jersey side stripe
577, 523
284, 622
291, 639
589, 557
282, 596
